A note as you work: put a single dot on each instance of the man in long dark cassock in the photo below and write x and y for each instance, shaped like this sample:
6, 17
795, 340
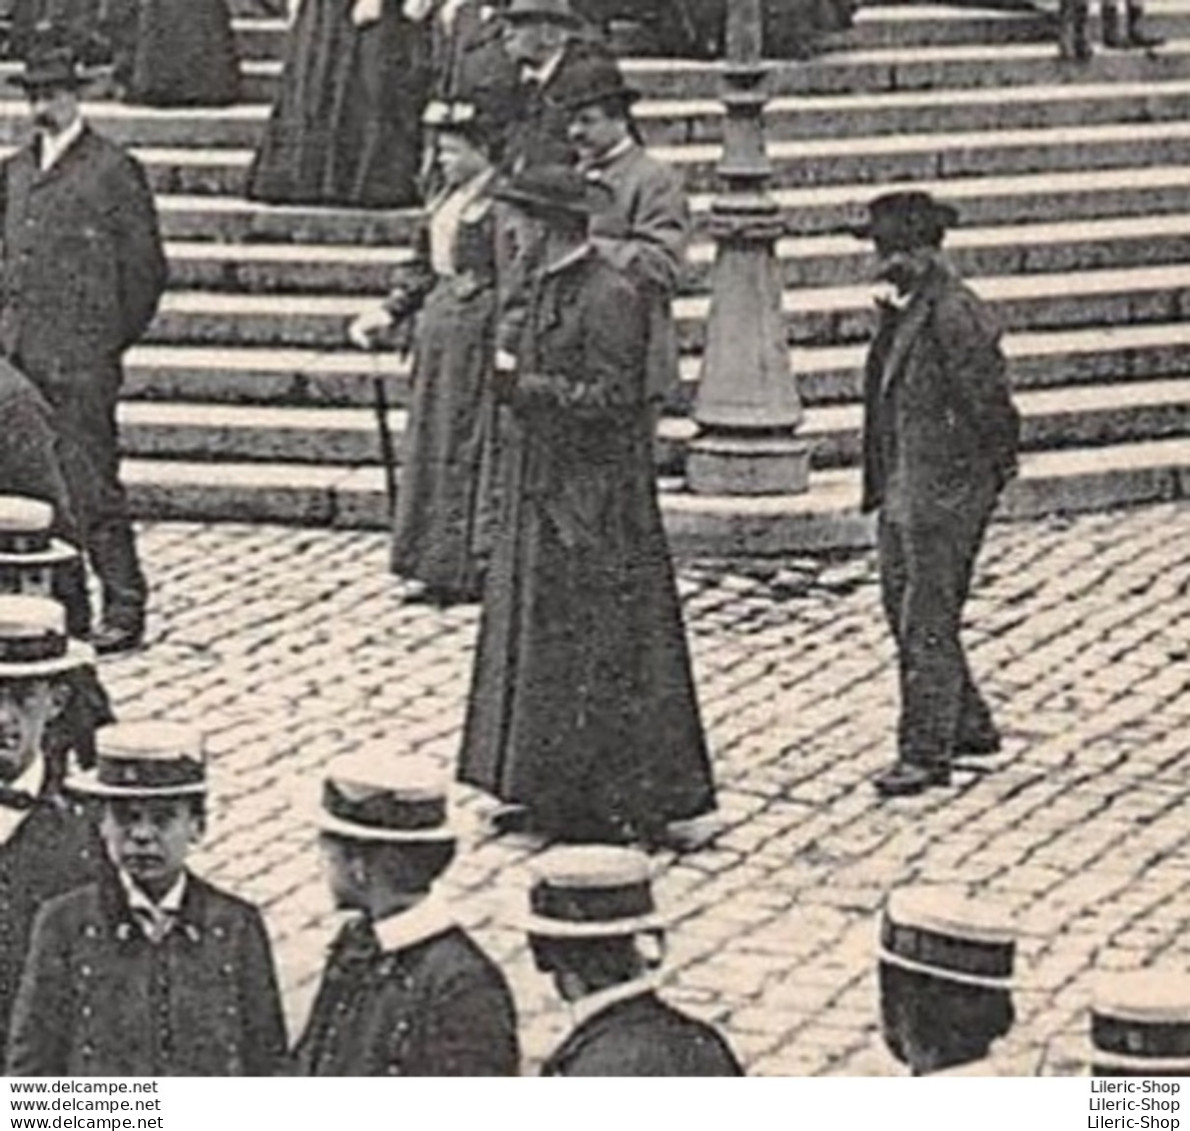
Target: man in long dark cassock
149, 971
582, 707
646, 230
405, 992
940, 443
84, 270
47, 843
594, 928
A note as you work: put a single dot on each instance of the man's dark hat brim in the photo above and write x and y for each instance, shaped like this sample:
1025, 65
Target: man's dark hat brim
33, 78
595, 200
625, 95
909, 224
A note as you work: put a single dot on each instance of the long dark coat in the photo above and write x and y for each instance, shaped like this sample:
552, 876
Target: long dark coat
643, 1036
444, 522
174, 52
469, 60
346, 127
439, 1007
54, 849
98, 999
582, 704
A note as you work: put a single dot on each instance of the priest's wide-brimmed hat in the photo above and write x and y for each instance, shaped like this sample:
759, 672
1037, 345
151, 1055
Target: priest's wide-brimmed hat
542, 11
907, 220
591, 892
553, 190
379, 796
944, 932
34, 643
144, 759
1140, 1023
25, 538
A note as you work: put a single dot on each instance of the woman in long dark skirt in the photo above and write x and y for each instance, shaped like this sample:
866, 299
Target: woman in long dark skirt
346, 127
443, 518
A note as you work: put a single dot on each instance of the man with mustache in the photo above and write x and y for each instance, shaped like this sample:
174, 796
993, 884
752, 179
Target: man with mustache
83, 271
940, 443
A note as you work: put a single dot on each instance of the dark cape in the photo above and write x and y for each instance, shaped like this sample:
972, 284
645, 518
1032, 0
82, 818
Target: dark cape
174, 52
582, 704
444, 522
346, 127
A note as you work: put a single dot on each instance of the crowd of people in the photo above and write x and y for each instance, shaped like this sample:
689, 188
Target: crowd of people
538, 310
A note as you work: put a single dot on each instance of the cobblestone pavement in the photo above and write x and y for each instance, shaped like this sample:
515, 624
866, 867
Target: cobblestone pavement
289, 647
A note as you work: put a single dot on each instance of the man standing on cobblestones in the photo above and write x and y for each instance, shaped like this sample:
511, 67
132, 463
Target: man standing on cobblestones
940, 443
83, 272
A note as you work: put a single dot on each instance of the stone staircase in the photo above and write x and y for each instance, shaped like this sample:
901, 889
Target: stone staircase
1074, 186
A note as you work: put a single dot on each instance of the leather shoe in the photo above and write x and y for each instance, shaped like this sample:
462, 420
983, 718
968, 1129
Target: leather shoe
907, 779
112, 639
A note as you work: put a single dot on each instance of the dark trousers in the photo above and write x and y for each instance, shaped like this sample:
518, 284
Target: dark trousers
91, 463
925, 578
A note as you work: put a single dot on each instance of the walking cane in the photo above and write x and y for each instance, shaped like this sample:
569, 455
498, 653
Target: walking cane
387, 452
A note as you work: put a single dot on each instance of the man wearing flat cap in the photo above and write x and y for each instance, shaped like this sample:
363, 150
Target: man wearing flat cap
940, 443
594, 928
646, 229
947, 961
150, 971
405, 992
48, 845
83, 272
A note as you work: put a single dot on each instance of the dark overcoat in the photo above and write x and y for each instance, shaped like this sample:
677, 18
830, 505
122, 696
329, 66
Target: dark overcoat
645, 233
469, 60
643, 1036
582, 703
53, 850
439, 1007
940, 429
98, 999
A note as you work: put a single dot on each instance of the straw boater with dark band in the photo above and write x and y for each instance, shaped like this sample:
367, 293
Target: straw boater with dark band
405, 991
47, 843
84, 270
594, 927
947, 962
151, 971
34, 561
1140, 1024
940, 443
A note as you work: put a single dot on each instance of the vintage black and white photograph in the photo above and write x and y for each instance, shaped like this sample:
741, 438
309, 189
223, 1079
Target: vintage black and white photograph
594, 538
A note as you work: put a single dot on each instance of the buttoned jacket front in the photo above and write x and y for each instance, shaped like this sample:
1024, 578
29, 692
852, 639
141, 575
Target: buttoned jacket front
98, 999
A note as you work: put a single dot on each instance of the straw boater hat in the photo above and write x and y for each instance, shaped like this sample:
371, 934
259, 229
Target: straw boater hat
945, 933
33, 639
25, 539
907, 220
145, 759
385, 798
542, 11
591, 892
1140, 1024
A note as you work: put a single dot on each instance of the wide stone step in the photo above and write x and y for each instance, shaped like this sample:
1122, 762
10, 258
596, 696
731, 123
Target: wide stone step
825, 517
825, 375
1058, 418
805, 261
682, 121
814, 162
818, 315
1030, 197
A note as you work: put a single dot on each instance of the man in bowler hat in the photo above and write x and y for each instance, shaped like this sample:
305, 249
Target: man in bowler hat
47, 843
405, 992
940, 443
150, 971
594, 928
83, 272
646, 229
